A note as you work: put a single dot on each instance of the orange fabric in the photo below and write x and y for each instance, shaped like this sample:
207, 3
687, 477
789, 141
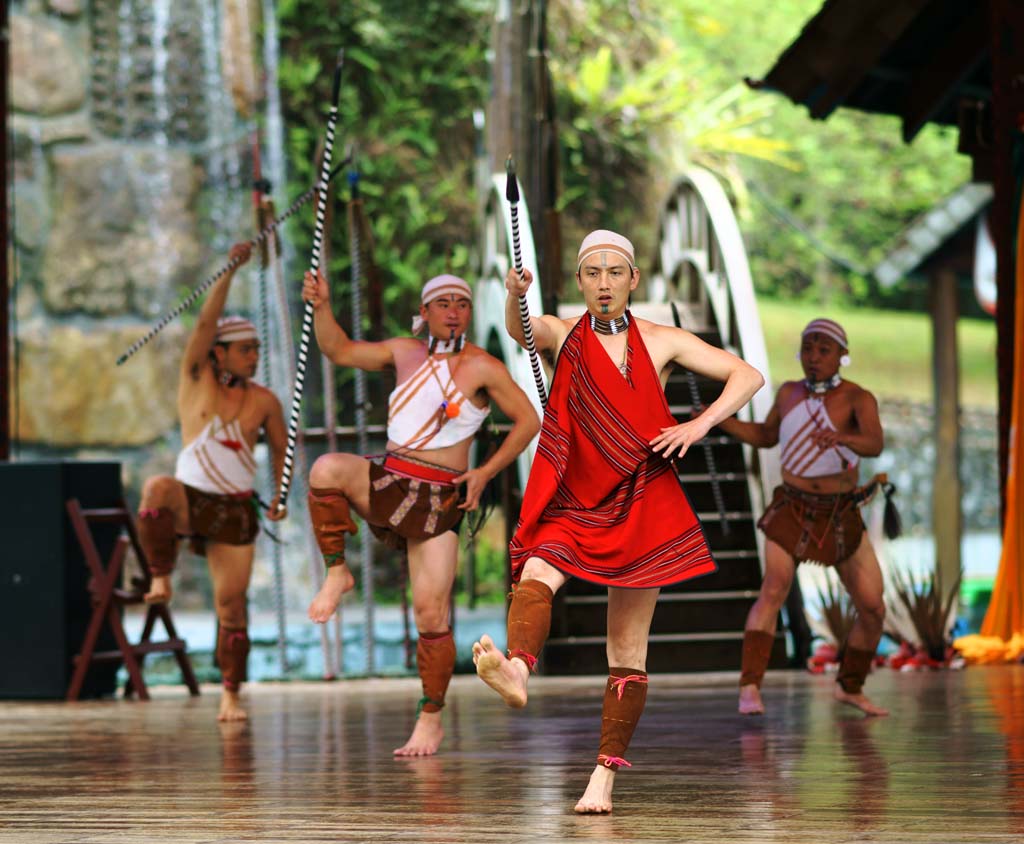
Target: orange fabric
1005, 614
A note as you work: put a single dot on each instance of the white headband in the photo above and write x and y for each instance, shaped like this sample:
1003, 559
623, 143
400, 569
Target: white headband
603, 240
829, 328
233, 328
441, 285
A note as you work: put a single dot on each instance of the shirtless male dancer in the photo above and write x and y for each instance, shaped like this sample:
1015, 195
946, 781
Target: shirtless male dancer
411, 498
824, 426
210, 498
603, 501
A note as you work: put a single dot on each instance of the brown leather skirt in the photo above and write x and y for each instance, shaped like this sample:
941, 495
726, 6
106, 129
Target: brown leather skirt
411, 500
825, 529
230, 519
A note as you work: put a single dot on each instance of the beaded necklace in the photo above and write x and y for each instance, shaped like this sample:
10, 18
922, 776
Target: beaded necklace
820, 387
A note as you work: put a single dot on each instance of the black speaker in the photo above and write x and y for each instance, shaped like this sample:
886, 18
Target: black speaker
44, 599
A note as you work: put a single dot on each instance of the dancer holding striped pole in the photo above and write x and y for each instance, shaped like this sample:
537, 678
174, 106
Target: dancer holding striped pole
602, 502
210, 499
234, 262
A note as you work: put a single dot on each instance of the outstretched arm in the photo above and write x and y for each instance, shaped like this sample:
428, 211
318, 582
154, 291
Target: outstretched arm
548, 331
758, 434
741, 382
505, 393
331, 337
197, 350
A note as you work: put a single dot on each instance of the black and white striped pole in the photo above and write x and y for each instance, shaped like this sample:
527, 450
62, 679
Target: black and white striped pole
512, 195
193, 297
314, 267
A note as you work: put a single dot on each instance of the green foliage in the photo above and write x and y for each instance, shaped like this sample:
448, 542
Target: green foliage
408, 92
642, 89
927, 605
837, 610
637, 100
858, 185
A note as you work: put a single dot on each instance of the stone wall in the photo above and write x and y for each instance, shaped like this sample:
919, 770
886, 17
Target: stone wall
130, 148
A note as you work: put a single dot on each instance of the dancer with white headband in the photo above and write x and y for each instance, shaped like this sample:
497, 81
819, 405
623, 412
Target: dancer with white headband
210, 499
411, 496
824, 425
603, 502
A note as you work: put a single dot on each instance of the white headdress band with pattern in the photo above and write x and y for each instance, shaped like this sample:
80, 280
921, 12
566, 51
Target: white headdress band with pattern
603, 240
441, 285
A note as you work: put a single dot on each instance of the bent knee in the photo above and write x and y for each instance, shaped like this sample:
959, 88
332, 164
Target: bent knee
873, 613
775, 592
536, 569
332, 470
161, 490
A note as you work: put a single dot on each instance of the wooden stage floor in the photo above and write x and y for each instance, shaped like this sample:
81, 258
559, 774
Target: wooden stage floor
314, 765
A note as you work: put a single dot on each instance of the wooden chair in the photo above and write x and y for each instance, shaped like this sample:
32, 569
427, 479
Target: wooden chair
108, 596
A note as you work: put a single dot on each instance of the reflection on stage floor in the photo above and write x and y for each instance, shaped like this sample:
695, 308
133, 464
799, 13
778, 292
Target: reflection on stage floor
314, 764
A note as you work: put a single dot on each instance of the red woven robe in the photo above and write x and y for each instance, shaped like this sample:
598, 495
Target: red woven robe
600, 504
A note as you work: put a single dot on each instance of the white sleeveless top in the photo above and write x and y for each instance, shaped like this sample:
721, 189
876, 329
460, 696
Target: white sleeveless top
416, 409
218, 461
800, 454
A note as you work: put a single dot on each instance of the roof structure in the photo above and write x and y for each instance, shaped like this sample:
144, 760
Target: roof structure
923, 237
921, 60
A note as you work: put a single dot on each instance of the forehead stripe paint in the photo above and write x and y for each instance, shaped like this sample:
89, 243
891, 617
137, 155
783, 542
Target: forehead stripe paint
605, 247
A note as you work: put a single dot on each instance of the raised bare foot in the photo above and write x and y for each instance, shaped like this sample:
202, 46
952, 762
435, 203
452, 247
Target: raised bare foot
159, 590
231, 707
750, 700
861, 702
339, 580
597, 799
508, 677
426, 736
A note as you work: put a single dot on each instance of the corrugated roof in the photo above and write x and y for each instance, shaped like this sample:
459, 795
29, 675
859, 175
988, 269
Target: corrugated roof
926, 234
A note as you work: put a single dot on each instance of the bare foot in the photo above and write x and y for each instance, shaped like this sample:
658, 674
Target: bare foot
750, 700
508, 677
597, 799
339, 580
231, 707
159, 590
426, 736
861, 702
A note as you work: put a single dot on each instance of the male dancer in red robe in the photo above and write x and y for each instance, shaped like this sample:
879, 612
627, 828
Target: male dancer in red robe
603, 501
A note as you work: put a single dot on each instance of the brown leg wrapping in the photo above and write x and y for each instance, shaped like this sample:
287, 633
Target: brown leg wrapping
854, 669
624, 699
529, 620
232, 656
329, 512
435, 661
159, 540
757, 650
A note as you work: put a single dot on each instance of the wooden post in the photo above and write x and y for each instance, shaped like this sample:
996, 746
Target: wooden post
521, 122
5, 289
1006, 30
946, 515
